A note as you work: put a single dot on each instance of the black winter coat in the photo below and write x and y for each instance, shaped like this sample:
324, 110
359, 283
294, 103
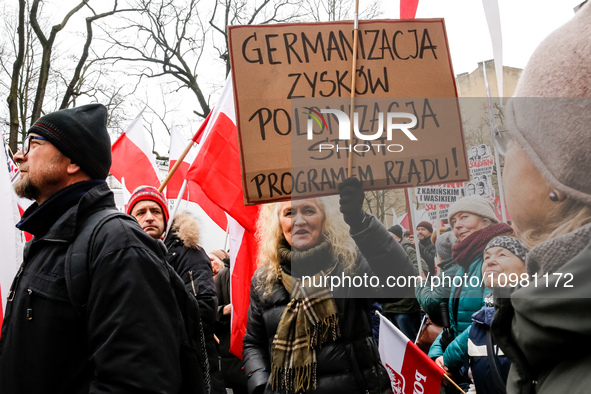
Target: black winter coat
192, 264
351, 364
128, 340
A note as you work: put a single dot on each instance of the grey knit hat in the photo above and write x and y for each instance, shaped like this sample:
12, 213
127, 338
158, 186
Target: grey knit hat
444, 243
512, 244
549, 115
81, 135
473, 204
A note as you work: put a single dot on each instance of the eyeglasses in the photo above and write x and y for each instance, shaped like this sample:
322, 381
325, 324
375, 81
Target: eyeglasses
27, 143
501, 138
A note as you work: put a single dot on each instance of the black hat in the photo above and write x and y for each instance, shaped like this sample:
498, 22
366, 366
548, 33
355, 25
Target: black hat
396, 230
80, 134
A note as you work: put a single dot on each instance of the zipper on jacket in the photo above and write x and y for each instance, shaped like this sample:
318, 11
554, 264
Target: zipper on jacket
14, 283
192, 283
30, 308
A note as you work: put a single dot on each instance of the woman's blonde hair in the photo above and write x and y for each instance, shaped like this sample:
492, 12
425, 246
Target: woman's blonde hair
568, 216
270, 234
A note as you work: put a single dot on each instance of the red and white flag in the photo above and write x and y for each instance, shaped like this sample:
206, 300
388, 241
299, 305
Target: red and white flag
410, 370
12, 240
217, 170
193, 192
134, 163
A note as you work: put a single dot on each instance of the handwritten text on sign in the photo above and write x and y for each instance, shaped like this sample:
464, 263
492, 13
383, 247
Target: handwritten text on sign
275, 64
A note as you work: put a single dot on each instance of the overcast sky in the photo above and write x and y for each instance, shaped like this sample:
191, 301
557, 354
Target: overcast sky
524, 24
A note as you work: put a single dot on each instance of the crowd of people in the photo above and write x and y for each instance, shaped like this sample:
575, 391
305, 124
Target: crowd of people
111, 320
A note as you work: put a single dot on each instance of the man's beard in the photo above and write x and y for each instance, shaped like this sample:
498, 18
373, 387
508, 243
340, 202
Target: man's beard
25, 188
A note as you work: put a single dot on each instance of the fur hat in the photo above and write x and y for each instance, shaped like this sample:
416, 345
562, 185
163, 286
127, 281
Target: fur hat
512, 244
444, 243
396, 230
426, 225
473, 204
148, 193
80, 134
549, 114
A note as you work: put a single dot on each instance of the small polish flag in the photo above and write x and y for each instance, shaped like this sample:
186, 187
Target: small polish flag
410, 370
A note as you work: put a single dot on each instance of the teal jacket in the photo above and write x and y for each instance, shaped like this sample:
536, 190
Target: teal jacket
463, 302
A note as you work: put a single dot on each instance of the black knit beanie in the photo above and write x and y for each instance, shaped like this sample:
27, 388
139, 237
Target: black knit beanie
396, 230
80, 134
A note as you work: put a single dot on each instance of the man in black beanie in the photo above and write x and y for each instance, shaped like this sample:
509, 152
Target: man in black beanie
125, 336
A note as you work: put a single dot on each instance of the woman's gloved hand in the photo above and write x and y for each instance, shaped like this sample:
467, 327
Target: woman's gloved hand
351, 201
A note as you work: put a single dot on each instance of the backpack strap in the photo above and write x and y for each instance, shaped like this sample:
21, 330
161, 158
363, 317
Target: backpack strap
77, 257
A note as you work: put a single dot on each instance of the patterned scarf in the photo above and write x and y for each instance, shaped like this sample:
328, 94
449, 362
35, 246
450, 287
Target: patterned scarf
308, 321
464, 252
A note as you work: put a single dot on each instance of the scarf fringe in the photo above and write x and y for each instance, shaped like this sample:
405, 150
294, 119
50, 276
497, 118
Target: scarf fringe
320, 331
294, 380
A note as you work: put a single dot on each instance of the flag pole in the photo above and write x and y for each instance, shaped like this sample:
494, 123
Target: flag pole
179, 199
353, 71
454, 383
491, 120
176, 165
411, 221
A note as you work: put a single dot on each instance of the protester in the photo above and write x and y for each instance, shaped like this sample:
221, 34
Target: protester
424, 231
128, 336
433, 292
217, 260
231, 366
188, 259
408, 235
404, 313
474, 224
503, 265
310, 238
544, 327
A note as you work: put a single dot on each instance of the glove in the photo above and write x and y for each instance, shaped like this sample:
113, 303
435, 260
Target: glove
351, 201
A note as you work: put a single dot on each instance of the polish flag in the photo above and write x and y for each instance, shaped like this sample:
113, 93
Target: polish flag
193, 192
217, 170
243, 252
134, 163
12, 240
410, 370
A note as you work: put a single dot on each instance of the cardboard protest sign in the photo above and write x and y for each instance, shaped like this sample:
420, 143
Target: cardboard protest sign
291, 146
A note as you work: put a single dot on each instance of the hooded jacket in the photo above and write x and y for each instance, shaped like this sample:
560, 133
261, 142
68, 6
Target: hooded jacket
544, 327
192, 264
129, 338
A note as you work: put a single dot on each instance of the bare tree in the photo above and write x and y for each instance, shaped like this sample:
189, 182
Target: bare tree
164, 39
338, 10
15, 78
47, 45
243, 12
33, 78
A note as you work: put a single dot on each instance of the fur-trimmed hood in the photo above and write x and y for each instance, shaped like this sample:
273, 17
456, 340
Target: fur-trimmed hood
186, 227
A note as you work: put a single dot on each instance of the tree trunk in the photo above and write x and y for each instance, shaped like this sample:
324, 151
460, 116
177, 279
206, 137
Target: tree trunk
16, 69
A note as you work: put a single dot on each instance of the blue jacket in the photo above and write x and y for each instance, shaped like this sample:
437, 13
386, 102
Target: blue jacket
489, 364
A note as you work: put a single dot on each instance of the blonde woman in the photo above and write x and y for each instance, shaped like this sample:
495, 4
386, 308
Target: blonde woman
545, 328
318, 339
